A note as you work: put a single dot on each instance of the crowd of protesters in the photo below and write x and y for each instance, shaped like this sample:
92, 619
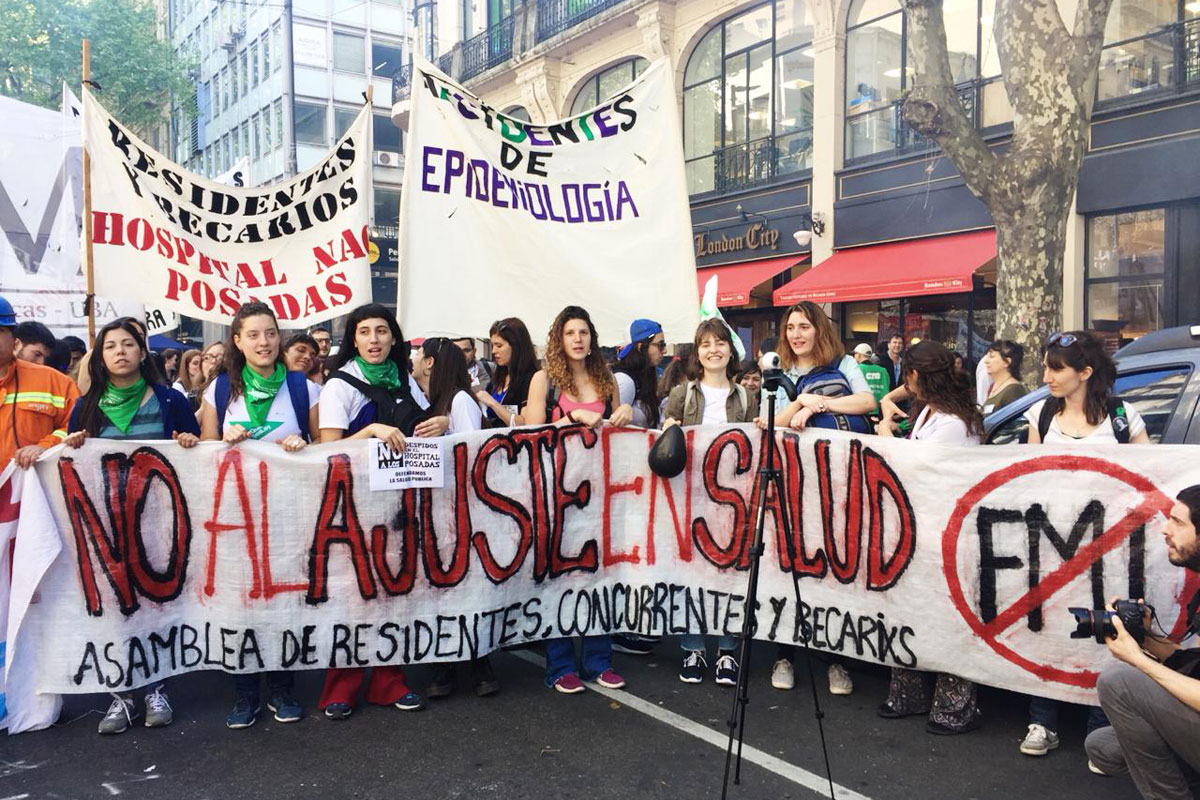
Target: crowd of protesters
301, 389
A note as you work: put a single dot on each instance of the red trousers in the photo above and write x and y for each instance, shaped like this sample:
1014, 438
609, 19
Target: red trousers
341, 686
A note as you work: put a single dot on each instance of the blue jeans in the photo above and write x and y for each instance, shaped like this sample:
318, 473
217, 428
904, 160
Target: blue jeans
1044, 712
247, 684
560, 657
696, 641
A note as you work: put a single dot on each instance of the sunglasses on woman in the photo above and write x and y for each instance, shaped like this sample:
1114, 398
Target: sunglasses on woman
1062, 340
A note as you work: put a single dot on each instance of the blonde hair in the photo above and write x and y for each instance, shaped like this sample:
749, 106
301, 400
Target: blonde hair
556, 364
826, 349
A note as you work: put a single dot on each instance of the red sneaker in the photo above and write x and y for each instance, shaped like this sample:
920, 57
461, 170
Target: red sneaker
569, 684
610, 680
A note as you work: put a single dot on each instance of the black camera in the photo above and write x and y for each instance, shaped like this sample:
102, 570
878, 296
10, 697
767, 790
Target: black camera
1097, 623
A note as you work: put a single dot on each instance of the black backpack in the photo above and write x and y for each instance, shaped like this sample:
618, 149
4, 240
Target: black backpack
394, 407
1116, 414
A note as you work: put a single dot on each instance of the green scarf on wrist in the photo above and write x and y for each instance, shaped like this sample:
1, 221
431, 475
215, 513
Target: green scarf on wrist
120, 404
260, 392
386, 374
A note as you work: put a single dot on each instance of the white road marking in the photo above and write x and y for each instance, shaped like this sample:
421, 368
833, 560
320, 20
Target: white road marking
784, 769
111, 786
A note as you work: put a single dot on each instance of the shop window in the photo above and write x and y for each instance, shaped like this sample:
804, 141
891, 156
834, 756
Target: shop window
606, 84
1126, 272
748, 99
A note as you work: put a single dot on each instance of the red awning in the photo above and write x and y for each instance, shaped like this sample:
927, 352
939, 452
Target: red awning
736, 281
936, 265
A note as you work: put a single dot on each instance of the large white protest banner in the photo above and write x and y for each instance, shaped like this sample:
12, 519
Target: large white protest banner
903, 553
179, 241
526, 219
41, 198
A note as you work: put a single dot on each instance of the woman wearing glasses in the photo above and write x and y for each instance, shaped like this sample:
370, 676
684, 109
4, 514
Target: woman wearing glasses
636, 371
1081, 411
213, 358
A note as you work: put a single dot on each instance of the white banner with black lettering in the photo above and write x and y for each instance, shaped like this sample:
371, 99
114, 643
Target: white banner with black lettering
904, 553
530, 218
181, 242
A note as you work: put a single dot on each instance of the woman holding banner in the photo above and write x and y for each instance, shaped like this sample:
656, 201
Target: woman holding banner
369, 394
255, 397
949, 416
516, 361
575, 387
125, 401
1081, 411
714, 399
833, 393
440, 368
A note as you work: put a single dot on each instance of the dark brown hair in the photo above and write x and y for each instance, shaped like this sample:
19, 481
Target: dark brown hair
523, 361
942, 386
449, 374
716, 328
235, 359
90, 416
1011, 352
557, 368
1086, 351
828, 346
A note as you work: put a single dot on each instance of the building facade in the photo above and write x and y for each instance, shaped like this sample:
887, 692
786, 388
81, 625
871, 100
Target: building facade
806, 183
277, 83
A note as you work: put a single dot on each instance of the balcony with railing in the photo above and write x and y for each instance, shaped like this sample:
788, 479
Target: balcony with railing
489, 49
556, 16
881, 130
749, 164
401, 83
1163, 61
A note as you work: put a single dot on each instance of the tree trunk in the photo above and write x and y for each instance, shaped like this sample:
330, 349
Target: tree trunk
1050, 75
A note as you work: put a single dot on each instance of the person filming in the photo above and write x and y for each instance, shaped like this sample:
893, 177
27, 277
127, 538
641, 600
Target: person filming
1151, 694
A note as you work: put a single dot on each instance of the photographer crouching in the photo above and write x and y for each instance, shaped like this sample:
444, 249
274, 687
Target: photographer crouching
1152, 695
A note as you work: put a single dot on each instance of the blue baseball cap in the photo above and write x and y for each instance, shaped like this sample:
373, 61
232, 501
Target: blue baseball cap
642, 330
8, 317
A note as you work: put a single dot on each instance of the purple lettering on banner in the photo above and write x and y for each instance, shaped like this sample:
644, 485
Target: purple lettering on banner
602, 124
535, 139
540, 212
576, 214
625, 197
550, 204
454, 166
520, 200
592, 205
497, 184
480, 184
427, 169
462, 108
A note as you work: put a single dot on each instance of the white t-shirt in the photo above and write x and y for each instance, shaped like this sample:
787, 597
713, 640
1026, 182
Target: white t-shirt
627, 390
847, 366
714, 405
1103, 434
177, 386
281, 418
341, 402
942, 428
464, 414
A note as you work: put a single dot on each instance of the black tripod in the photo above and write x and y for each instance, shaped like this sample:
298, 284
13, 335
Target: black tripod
769, 476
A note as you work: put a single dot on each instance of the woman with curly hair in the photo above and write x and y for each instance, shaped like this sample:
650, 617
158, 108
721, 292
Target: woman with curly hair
574, 387
949, 417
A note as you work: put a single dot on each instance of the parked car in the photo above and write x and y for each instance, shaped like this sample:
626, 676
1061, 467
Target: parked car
1158, 373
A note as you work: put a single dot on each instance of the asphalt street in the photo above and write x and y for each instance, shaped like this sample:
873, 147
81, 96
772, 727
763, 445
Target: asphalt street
659, 739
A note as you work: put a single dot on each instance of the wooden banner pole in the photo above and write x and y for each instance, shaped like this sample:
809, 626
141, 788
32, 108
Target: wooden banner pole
90, 303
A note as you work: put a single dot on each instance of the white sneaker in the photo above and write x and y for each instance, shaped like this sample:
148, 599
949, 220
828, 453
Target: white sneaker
839, 680
1096, 770
782, 676
1039, 741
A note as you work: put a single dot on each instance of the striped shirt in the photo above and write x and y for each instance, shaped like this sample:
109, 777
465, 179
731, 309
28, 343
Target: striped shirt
147, 423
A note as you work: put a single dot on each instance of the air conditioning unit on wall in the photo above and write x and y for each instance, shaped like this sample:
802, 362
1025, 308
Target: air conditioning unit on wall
385, 158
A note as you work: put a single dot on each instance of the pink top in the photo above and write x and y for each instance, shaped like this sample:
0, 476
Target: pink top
566, 405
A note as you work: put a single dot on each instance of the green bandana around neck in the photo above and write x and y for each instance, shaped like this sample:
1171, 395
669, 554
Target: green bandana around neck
386, 374
121, 403
260, 392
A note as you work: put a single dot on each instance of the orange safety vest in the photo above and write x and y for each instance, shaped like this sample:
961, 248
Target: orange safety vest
35, 405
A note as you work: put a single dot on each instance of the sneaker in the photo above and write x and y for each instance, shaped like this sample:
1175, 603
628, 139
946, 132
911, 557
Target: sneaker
782, 676
610, 680
119, 717
485, 679
243, 715
840, 682
1039, 741
1096, 770
410, 702
569, 684
692, 670
727, 670
338, 711
632, 644
442, 684
285, 708
158, 710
